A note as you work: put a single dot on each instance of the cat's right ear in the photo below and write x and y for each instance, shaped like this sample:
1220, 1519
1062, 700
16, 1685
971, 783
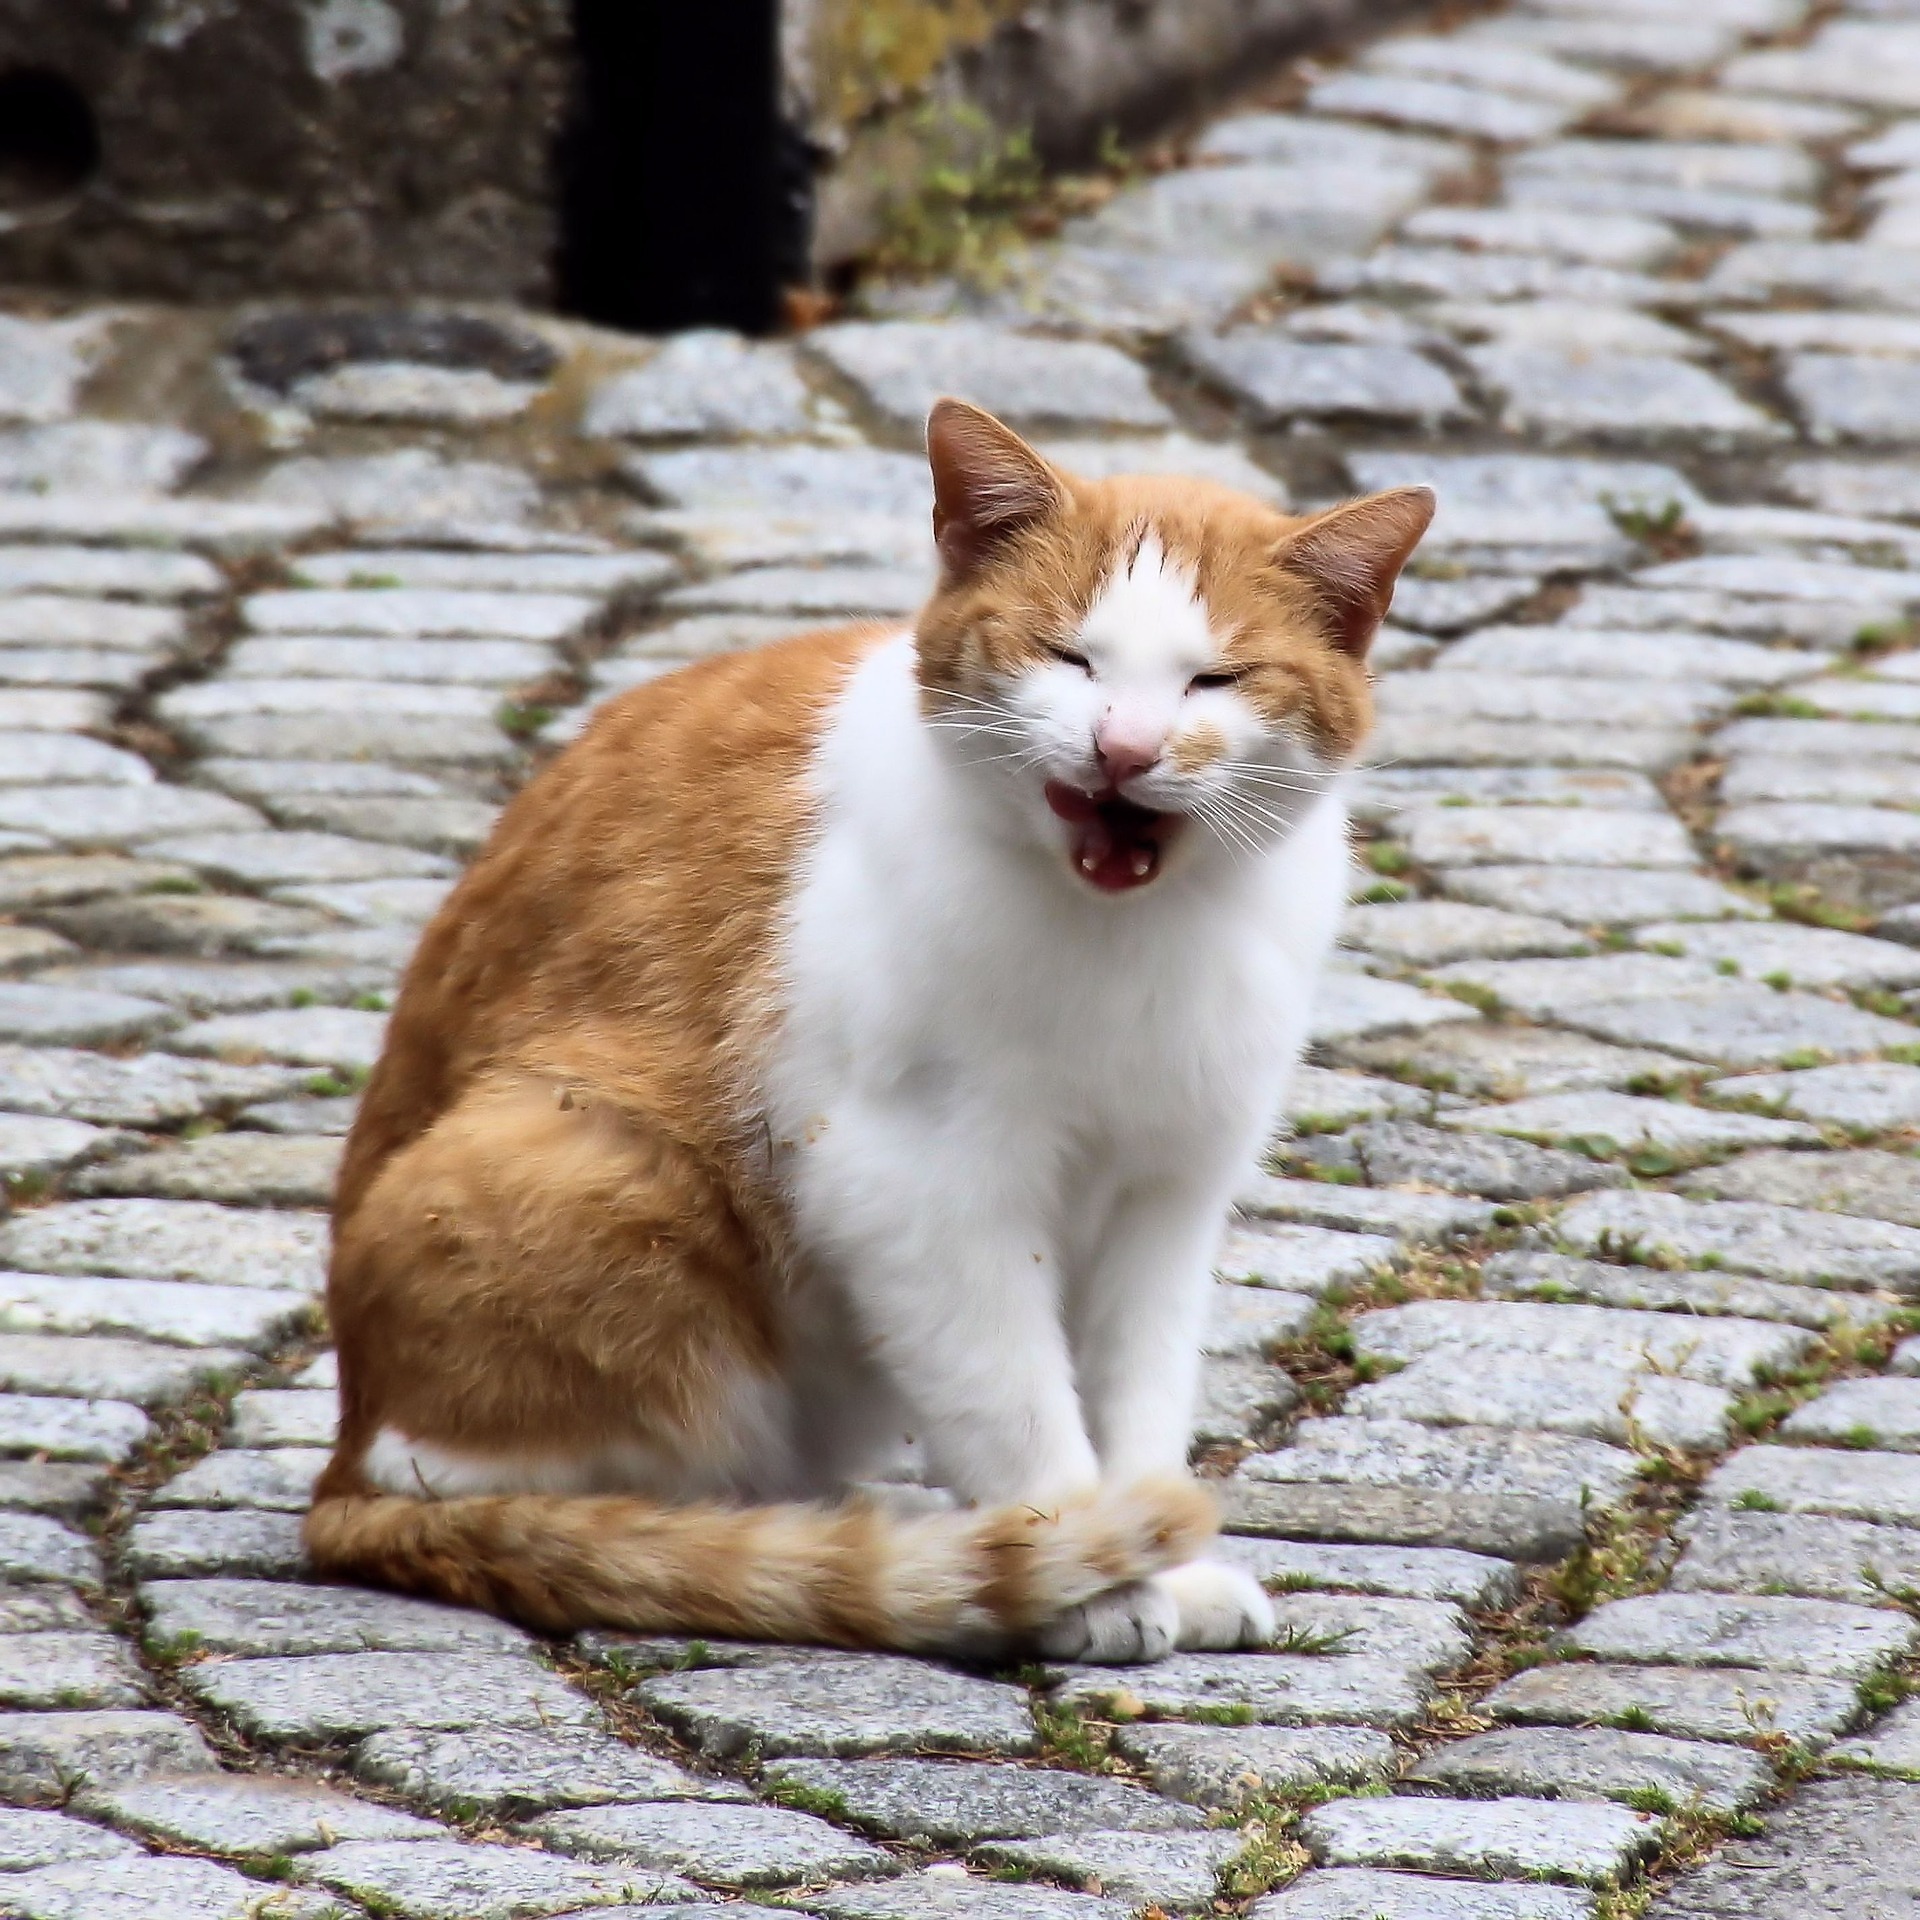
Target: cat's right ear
987, 484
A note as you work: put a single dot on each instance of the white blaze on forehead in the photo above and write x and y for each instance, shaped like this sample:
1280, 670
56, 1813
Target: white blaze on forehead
1149, 620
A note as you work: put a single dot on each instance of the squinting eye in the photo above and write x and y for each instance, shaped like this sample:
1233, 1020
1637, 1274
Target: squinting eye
1201, 682
1068, 658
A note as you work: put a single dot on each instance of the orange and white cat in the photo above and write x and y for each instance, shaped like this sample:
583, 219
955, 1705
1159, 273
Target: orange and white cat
846, 1052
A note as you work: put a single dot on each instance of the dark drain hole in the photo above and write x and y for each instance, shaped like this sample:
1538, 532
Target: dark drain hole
49, 142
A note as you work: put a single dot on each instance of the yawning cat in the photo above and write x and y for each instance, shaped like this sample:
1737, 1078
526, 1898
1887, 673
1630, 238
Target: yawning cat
845, 1053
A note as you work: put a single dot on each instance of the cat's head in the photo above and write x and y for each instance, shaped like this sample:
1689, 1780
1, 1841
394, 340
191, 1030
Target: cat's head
1156, 669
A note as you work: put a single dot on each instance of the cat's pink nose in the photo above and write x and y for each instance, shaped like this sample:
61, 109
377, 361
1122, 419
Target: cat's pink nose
1124, 751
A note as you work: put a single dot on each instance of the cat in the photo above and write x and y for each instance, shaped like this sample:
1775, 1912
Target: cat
845, 1054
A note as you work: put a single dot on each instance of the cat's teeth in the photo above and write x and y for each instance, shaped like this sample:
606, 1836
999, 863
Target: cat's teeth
1141, 862
1089, 862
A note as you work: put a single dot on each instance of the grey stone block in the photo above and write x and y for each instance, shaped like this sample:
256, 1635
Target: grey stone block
1552, 699
1779, 1243
1840, 1846
67, 1670
1270, 1689
1608, 1403
1430, 1635
1300, 1260
1609, 653
451, 1880
1549, 989
409, 612
1618, 397
1892, 1746
1278, 379
32, 1839
1429, 933
1347, 1451
945, 1893
1878, 1413
1349, 1006
725, 1846
843, 1707
1732, 1704
257, 1815
1601, 896
1440, 106
809, 591
590, 574
1622, 1122
1362, 1893
1241, 1402
1590, 1843
1423, 1218
177, 1312
192, 1543
1732, 1551
445, 823
170, 1240
310, 1036
1865, 1181
36, 1546
340, 1696
1554, 1277
1508, 1062
1570, 1764
1515, 1526
1223, 1767
72, 1017
1399, 1153
1823, 1637
104, 1369
1178, 1873
1871, 1095
1720, 1352
120, 815
44, 1757
265, 1617
1247, 1321
285, 1417
57, 1429
513, 1774
279, 1479
35, 759
33, 1147
166, 1889
903, 367
707, 383
1859, 1486
1475, 1580
35, 1486
241, 1169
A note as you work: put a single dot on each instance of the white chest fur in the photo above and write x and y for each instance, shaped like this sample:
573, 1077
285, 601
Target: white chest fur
983, 1062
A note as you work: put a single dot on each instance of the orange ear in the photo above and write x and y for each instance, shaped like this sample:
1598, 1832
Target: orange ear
987, 483
1353, 555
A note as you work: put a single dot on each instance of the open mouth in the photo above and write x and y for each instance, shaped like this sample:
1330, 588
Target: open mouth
1116, 844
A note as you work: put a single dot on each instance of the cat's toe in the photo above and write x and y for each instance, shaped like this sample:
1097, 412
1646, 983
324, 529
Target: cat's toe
1219, 1606
1120, 1627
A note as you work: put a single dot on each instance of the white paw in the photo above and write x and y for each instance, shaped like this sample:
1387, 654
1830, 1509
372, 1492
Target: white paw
1218, 1606
1121, 1627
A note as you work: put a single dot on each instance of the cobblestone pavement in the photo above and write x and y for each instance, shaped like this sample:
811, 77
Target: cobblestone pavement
1564, 1384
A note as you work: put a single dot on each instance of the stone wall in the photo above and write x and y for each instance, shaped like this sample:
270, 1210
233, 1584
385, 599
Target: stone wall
407, 147
894, 85
367, 146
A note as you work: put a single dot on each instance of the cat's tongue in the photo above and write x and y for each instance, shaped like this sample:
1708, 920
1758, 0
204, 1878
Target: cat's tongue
1115, 844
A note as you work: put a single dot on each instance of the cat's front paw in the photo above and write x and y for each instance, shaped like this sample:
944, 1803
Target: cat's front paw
1121, 1627
1218, 1606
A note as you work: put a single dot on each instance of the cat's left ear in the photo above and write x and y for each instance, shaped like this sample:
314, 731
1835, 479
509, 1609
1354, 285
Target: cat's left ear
1352, 557
987, 484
